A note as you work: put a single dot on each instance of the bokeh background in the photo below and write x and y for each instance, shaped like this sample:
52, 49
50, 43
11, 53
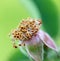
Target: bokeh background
13, 11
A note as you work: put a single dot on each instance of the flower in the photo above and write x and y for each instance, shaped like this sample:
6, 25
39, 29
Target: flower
33, 38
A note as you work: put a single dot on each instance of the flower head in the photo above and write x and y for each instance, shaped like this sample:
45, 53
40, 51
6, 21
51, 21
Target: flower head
26, 30
29, 33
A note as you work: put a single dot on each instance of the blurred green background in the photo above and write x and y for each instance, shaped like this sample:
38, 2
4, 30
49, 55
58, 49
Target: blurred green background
13, 11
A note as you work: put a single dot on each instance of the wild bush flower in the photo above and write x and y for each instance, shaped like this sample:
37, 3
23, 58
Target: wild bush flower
29, 35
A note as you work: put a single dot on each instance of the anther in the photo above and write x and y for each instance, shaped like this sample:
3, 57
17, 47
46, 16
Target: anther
14, 46
24, 44
19, 44
40, 22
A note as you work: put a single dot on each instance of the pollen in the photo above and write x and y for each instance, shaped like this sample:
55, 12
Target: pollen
26, 29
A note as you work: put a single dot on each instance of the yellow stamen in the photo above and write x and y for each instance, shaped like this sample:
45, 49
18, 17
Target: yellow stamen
26, 29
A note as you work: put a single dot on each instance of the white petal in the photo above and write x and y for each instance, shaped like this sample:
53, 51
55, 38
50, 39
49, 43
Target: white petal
35, 51
34, 48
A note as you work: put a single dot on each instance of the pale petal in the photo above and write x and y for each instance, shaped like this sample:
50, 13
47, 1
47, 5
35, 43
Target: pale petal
34, 48
35, 51
47, 40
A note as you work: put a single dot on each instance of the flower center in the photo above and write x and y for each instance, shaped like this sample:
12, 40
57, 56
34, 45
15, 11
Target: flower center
26, 29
